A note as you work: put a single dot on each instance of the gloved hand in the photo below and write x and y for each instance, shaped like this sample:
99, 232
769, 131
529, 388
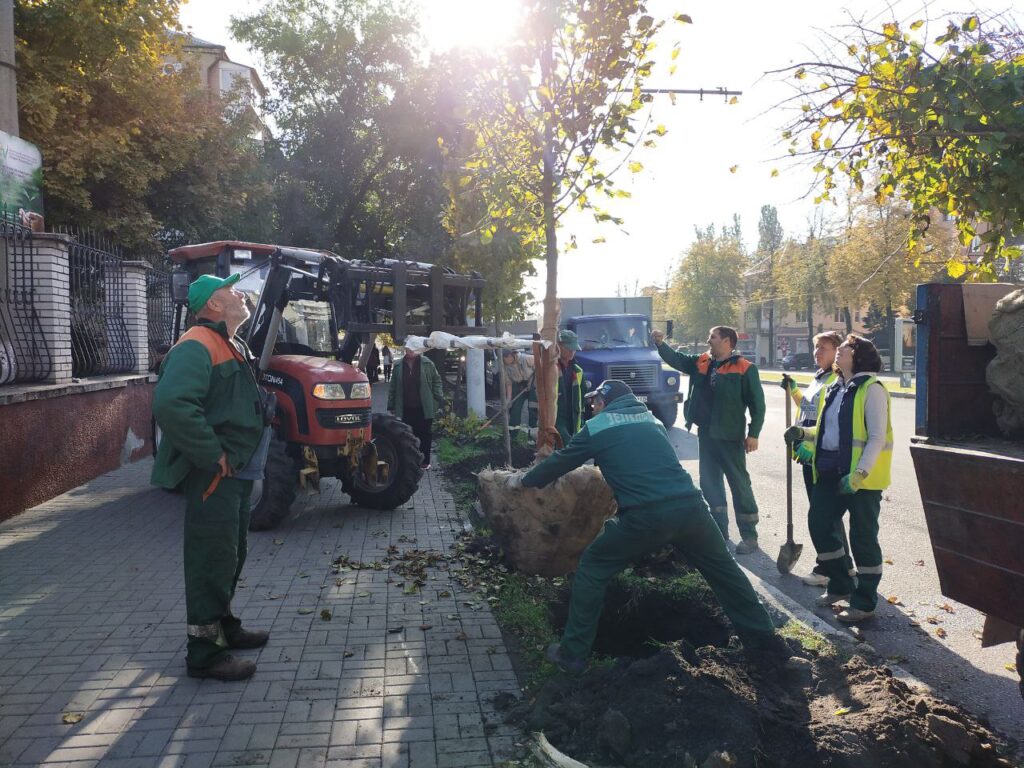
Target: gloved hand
851, 483
514, 481
788, 383
804, 454
793, 435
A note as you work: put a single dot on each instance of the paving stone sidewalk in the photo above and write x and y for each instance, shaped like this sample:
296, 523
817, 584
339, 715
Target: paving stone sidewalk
92, 621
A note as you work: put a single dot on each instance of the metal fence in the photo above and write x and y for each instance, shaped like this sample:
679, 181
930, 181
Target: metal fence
100, 343
159, 313
24, 354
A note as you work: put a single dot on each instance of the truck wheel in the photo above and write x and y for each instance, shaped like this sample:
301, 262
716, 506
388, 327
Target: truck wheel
666, 413
398, 446
272, 496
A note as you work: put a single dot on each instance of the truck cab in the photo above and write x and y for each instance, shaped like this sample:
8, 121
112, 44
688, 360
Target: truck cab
618, 346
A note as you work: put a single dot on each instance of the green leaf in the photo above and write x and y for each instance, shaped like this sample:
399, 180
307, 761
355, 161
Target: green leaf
970, 24
917, 24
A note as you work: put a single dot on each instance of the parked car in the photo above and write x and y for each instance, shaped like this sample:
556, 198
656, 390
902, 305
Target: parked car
798, 361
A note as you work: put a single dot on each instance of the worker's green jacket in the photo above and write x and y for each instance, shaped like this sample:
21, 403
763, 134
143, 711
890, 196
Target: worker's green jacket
569, 411
631, 449
738, 388
207, 403
431, 393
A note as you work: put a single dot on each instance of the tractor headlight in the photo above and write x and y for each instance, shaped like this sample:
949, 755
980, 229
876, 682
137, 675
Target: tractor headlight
360, 391
329, 391
671, 381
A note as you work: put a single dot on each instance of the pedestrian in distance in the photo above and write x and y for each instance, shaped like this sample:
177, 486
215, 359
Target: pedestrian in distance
825, 347
215, 436
852, 464
658, 505
415, 397
724, 386
569, 387
373, 365
386, 359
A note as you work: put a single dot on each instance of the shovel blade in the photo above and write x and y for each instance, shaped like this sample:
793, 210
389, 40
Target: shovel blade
789, 553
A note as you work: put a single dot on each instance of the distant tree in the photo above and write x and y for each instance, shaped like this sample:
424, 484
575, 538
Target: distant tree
708, 285
770, 239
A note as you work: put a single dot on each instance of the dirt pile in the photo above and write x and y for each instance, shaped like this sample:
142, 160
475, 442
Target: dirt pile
686, 707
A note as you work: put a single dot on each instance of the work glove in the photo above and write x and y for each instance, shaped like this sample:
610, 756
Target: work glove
793, 435
514, 481
788, 383
851, 483
804, 454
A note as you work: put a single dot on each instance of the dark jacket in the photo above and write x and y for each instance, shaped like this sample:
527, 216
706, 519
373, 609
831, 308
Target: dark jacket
631, 449
431, 395
569, 414
737, 389
207, 403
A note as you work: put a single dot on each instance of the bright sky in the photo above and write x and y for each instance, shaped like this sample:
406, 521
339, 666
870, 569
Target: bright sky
686, 181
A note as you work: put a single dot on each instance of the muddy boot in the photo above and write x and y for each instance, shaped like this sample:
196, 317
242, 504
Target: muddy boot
563, 662
244, 639
226, 667
721, 517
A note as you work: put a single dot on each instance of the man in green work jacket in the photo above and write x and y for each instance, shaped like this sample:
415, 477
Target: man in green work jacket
415, 396
723, 387
209, 407
569, 413
657, 505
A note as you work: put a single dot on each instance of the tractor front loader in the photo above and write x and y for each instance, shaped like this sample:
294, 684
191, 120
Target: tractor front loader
314, 311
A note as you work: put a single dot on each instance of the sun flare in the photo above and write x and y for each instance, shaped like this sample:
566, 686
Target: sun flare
448, 24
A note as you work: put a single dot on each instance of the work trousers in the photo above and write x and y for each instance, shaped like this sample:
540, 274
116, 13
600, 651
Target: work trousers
422, 428
722, 460
685, 523
840, 527
529, 400
828, 507
387, 372
215, 549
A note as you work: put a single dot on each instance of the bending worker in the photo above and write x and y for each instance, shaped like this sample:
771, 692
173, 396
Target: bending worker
210, 409
658, 505
723, 386
852, 464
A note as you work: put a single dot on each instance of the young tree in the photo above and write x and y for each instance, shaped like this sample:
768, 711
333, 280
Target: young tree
707, 288
939, 121
556, 119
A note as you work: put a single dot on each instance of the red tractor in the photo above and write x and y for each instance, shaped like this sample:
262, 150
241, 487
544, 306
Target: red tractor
313, 313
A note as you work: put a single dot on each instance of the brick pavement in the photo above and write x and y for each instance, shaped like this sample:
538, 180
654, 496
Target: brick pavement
92, 619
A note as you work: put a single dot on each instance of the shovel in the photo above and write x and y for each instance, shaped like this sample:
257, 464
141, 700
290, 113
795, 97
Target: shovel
790, 551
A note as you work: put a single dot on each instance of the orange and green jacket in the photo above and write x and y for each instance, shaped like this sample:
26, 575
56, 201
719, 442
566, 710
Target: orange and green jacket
207, 403
737, 390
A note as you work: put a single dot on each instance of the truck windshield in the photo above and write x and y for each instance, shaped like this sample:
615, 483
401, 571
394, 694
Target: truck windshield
613, 332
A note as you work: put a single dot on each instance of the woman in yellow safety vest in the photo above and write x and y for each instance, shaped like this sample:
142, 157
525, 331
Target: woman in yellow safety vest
851, 465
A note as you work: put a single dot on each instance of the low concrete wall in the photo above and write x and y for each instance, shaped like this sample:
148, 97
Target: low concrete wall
54, 438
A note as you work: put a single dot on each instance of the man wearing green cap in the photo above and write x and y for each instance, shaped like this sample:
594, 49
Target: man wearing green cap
569, 416
209, 407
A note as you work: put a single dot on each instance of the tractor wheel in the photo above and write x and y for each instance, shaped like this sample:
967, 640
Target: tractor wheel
667, 413
272, 496
398, 446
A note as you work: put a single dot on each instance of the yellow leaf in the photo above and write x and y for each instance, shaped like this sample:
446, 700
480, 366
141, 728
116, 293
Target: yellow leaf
842, 711
598, 240
893, 600
672, 69
864, 81
917, 24
775, 172
734, 100
465, 180
545, 92
636, 167
734, 168
675, 53
661, 130
1010, 667
888, 562
955, 269
70, 718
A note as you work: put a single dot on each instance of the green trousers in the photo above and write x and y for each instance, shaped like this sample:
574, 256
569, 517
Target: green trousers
215, 548
626, 537
515, 416
840, 527
827, 509
722, 460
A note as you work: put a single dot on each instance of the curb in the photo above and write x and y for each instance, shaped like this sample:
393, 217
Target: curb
902, 395
789, 608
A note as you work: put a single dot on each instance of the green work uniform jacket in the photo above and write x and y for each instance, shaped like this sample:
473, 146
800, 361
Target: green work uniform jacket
737, 389
431, 395
632, 450
569, 411
207, 403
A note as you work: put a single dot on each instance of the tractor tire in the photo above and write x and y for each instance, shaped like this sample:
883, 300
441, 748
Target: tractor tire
666, 414
272, 496
398, 446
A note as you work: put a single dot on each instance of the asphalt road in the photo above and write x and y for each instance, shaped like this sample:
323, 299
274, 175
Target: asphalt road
955, 665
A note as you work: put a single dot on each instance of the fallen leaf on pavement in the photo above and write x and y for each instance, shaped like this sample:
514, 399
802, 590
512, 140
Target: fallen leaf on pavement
919, 562
940, 632
888, 562
325, 615
425, 627
70, 718
278, 542
305, 611
1011, 667
932, 619
461, 636
349, 654
395, 630
842, 711
947, 608
363, 594
893, 600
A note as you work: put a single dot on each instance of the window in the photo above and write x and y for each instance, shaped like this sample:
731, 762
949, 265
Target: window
801, 316
856, 316
837, 316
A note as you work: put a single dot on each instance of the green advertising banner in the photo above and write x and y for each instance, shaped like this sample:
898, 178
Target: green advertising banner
21, 176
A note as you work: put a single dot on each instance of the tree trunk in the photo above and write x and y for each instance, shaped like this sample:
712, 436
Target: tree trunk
810, 325
890, 333
771, 333
848, 317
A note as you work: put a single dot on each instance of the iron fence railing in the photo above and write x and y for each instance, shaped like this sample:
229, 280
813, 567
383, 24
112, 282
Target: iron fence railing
24, 353
159, 313
100, 343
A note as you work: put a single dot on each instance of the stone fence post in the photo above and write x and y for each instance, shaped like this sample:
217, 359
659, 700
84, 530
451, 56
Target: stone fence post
53, 301
136, 313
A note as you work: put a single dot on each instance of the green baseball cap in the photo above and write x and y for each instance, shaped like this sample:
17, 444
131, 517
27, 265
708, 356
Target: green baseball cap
203, 287
569, 340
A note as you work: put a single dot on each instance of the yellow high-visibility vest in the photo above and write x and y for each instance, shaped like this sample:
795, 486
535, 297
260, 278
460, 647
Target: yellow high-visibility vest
880, 476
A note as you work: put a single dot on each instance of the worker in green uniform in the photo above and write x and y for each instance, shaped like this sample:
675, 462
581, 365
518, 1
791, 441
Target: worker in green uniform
211, 411
723, 387
657, 505
852, 464
569, 415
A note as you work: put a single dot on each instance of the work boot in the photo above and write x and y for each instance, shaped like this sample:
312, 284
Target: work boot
563, 662
815, 579
828, 599
853, 615
721, 517
747, 546
226, 667
244, 639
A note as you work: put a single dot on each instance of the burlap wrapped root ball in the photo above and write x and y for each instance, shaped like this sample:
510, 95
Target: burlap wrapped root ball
544, 531
1005, 374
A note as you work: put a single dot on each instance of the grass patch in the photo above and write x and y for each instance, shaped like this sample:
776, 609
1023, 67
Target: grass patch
522, 611
809, 639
